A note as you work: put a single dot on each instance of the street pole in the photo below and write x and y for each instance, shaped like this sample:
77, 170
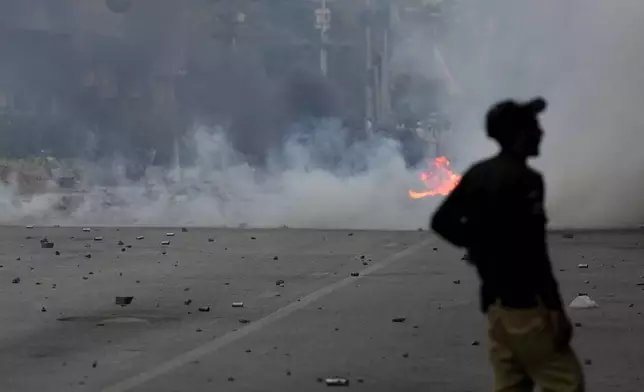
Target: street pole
385, 84
369, 110
323, 23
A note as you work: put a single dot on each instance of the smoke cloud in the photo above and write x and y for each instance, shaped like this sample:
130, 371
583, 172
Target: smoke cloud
316, 180
270, 159
586, 58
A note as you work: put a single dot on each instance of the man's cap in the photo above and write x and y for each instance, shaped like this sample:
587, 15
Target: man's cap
509, 116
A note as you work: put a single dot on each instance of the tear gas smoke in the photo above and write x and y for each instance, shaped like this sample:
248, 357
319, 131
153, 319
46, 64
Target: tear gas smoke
316, 180
583, 56
586, 58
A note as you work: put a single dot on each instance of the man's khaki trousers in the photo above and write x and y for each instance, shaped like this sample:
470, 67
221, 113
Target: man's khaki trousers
523, 355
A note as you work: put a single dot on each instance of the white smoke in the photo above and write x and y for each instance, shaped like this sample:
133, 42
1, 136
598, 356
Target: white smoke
586, 59
317, 180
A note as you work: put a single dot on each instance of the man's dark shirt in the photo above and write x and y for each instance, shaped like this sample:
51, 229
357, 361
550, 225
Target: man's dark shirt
497, 213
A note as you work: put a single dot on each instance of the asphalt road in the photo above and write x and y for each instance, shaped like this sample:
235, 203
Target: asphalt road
60, 329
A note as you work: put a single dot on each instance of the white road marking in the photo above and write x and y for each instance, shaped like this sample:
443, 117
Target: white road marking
214, 345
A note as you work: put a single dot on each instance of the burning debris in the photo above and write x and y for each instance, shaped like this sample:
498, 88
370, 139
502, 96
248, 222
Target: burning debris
439, 180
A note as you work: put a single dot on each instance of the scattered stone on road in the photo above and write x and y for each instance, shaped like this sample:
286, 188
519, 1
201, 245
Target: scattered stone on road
47, 245
184, 230
187, 302
139, 238
165, 243
582, 266
336, 382
475, 343
354, 274
244, 321
88, 255
120, 243
211, 240
57, 253
204, 309
123, 301
86, 229
279, 282
399, 320
97, 238
169, 234
276, 258
238, 304
583, 302
568, 235
457, 282
15, 280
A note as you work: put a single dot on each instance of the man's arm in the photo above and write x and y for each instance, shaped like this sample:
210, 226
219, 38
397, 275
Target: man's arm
548, 286
450, 219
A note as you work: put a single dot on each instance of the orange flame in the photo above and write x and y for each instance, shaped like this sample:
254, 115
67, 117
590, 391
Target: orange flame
438, 179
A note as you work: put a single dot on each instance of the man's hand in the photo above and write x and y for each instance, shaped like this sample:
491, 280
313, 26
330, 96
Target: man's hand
562, 328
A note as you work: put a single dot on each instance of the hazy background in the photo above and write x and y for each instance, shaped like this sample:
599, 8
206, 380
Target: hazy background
269, 142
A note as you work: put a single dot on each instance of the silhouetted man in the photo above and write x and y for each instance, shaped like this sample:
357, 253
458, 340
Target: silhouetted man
497, 213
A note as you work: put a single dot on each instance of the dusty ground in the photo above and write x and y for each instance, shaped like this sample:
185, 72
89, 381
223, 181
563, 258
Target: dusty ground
61, 331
